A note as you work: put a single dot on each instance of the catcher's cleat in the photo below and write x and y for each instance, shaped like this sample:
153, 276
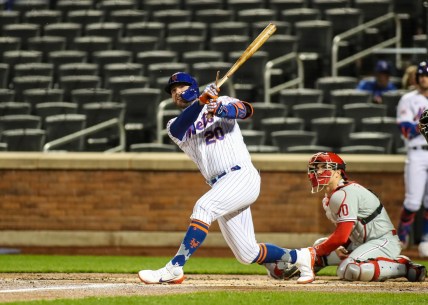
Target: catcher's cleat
170, 274
415, 272
305, 262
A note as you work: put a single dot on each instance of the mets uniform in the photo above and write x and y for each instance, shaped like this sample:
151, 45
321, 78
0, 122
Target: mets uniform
217, 147
409, 109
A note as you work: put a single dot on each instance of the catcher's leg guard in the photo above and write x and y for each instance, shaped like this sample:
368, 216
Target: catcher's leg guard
379, 269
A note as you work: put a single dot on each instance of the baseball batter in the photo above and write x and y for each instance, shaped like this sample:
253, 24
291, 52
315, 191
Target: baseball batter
409, 110
364, 239
208, 133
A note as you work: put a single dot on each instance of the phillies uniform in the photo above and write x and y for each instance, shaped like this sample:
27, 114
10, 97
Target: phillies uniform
409, 110
376, 238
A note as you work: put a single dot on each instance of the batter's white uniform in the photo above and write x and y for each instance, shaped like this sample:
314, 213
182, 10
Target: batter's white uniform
377, 238
217, 147
409, 109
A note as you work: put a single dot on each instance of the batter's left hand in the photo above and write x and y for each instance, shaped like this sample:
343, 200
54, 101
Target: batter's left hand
210, 92
213, 105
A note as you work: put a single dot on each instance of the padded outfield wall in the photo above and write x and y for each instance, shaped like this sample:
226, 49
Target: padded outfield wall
143, 201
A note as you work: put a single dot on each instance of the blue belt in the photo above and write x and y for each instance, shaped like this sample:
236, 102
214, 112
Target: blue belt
216, 178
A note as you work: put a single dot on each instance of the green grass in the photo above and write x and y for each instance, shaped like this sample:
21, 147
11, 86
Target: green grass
131, 264
257, 297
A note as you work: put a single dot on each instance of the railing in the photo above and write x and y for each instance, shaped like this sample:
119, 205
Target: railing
270, 65
90, 130
336, 64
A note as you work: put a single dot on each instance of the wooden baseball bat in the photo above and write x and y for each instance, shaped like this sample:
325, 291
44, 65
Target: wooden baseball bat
251, 49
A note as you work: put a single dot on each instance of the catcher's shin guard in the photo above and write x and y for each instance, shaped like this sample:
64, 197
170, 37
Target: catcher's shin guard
376, 270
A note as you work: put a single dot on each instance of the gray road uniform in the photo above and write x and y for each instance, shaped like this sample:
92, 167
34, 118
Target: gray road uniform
374, 243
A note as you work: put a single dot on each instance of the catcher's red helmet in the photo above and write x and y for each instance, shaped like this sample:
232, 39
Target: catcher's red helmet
321, 167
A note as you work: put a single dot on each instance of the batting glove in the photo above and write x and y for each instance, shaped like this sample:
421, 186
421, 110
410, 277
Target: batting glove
210, 92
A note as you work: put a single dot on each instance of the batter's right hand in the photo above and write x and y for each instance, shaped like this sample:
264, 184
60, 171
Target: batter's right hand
210, 92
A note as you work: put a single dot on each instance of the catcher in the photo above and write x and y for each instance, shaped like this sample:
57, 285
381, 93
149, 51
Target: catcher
364, 244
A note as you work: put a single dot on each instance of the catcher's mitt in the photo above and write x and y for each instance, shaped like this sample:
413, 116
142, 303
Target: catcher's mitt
423, 124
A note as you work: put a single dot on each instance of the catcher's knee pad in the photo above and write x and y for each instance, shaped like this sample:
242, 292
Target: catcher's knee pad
352, 270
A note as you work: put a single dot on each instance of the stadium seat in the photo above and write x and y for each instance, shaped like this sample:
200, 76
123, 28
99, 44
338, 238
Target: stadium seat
90, 95
167, 16
284, 5
36, 96
341, 97
284, 139
203, 56
229, 28
109, 6
112, 30
136, 44
58, 126
92, 44
373, 8
333, 132
229, 43
270, 125
119, 83
71, 82
151, 57
126, 16
20, 121
11, 108
214, 16
262, 149
254, 137
264, 111
85, 17
239, 5
67, 6
34, 68
381, 139
103, 58
45, 109
4, 75
46, 44
311, 111
24, 31
279, 45
184, 43
390, 99
387, 125
9, 44
7, 95
122, 69
358, 111
24, 139
59, 58
206, 72
196, 5
293, 16
191, 28
344, 19
256, 15
164, 70
8, 17
324, 5
307, 30
152, 6
68, 30
82, 68
30, 5
282, 28
22, 83
291, 97
149, 28
42, 17
329, 83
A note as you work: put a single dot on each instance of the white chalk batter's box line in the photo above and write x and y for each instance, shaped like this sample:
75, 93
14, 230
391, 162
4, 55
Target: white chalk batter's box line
69, 287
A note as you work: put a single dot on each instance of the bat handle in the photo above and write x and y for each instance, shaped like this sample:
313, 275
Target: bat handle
210, 114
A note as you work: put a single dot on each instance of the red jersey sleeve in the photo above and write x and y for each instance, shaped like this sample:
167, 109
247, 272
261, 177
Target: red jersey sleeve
339, 237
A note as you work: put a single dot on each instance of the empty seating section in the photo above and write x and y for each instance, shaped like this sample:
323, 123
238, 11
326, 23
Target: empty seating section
70, 64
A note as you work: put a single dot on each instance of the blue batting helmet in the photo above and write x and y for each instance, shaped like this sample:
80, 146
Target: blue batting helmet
184, 78
422, 70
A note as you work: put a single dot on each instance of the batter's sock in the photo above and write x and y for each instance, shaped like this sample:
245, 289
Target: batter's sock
406, 220
270, 253
193, 239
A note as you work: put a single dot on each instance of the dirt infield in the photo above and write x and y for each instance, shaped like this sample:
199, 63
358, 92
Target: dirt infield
47, 286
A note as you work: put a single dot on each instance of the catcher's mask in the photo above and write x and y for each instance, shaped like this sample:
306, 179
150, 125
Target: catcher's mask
423, 124
422, 70
184, 78
321, 167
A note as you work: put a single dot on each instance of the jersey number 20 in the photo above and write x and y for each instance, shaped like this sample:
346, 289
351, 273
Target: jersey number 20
213, 135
